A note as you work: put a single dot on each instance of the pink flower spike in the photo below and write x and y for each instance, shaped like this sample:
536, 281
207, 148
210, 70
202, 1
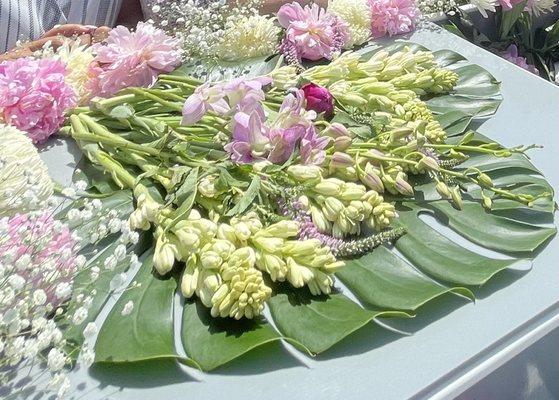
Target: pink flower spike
132, 59
34, 96
283, 142
205, 98
250, 141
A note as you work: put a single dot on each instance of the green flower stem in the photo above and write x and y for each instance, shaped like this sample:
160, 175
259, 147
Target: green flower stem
117, 171
181, 78
178, 84
116, 101
102, 135
168, 94
157, 99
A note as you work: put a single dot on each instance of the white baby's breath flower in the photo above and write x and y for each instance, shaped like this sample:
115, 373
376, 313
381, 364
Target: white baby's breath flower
63, 290
56, 360
79, 316
90, 331
128, 307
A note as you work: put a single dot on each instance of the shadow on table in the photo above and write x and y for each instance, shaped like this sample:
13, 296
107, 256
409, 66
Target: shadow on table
152, 373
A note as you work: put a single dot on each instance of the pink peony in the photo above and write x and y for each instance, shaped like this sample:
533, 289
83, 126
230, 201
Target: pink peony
312, 33
393, 17
34, 96
511, 54
132, 59
318, 99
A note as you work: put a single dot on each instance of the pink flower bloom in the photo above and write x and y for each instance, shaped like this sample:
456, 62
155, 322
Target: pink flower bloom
132, 59
511, 54
393, 17
34, 96
43, 241
205, 98
245, 94
283, 142
242, 95
250, 138
318, 99
312, 33
312, 147
292, 111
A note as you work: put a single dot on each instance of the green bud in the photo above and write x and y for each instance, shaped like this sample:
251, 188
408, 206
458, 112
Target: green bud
189, 278
427, 163
210, 260
320, 220
485, 180
487, 202
305, 173
443, 190
456, 197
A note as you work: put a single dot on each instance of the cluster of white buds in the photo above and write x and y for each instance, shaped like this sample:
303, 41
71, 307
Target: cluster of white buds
24, 179
226, 271
340, 208
222, 272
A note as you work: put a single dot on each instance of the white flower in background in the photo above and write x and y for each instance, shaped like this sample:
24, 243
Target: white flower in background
77, 59
436, 6
484, 5
24, 179
249, 37
539, 7
357, 14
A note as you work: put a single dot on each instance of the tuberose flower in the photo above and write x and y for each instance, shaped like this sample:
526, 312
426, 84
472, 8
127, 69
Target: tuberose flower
312, 33
511, 54
318, 99
132, 59
34, 96
393, 17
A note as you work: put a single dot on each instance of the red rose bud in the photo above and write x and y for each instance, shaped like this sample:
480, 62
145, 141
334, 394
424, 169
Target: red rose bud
319, 99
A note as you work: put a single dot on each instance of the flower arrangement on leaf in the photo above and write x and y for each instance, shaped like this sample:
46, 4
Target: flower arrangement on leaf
245, 183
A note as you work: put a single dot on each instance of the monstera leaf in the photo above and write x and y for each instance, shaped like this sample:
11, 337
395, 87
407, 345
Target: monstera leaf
425, 264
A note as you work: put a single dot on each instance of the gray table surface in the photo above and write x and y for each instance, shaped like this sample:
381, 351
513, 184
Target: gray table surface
453, 345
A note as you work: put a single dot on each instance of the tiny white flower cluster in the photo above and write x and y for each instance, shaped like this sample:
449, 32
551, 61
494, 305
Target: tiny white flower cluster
24, 180
39, 260
438, 6
202, 25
